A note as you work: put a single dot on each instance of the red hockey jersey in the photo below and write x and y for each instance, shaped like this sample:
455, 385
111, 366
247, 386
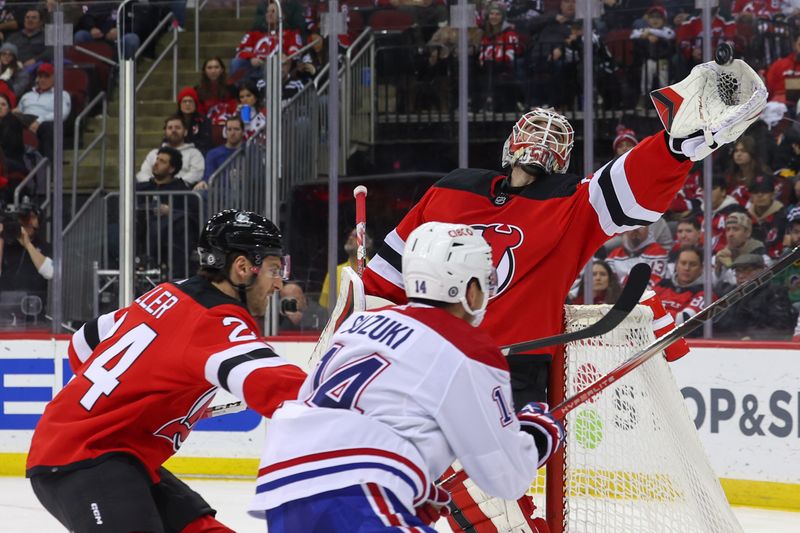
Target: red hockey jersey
681, 302
542, 235
260, 44
145, 374
622, 261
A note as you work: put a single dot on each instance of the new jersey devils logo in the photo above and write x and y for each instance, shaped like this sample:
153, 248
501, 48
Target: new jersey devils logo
503, 238
177, 431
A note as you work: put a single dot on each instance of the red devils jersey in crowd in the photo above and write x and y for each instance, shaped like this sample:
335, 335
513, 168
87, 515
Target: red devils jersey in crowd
681, 302
144, 375
260, 44
621, 261
759, 8
542, 234
689, 35
500, 48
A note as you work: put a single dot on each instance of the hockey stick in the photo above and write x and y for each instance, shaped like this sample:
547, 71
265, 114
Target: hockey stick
708, 313
634, 287
349, 301
360, 194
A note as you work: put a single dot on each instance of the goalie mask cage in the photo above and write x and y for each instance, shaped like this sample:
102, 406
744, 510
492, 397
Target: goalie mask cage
632, 461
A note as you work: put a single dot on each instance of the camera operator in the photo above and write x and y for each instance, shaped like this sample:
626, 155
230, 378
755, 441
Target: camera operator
24, 260
297, 313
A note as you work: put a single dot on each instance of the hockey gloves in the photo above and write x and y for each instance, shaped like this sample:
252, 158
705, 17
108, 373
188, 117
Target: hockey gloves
547, 432
434, 507
711, 107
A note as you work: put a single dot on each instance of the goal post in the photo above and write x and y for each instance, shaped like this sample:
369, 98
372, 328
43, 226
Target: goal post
632, 461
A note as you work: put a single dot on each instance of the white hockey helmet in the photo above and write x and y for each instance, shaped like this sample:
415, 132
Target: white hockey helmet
439, 261
541, 137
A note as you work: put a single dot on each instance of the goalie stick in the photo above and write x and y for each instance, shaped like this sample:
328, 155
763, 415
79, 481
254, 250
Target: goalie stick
634, 287
709, 312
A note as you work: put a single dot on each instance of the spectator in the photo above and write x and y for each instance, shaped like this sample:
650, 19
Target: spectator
682, 293
193, 164
768, 214
234, 136
11, 70
351, 249
638, 246
36, 108
787, 67
30, 40
620, 14
765, 313
687, 233
297, 313
738, 232
166, 222
99, 23
198, 129
624, 141
292, 12
295, 75
26, 266
8, 20
427, 14
722, 204
11, 136
213, 89
790, 277
745, 166
251, 109
551, 34
256, 45
653, 46
689, 40
500, 50
605, 285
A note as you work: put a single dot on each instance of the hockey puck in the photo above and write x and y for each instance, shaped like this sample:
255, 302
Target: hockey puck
723, 54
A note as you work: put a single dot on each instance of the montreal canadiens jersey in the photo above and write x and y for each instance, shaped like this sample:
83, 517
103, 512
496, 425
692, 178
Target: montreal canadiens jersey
541, 237
144, 375
400, 394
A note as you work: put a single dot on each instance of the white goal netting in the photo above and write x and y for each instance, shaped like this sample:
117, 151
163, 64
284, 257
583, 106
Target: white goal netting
633, 461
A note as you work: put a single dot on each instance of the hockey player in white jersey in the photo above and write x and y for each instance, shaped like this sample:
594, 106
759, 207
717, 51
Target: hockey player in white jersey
403, 392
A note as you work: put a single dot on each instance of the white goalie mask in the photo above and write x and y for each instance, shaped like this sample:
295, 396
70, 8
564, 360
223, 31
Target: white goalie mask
439, 261
541, 137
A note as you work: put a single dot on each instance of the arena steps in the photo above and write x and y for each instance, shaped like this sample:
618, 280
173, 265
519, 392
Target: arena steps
221, 32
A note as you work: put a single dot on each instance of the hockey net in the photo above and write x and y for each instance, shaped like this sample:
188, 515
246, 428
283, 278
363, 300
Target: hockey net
633, 461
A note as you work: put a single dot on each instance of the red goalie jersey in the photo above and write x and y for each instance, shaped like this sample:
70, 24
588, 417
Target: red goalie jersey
145, 374
541, 235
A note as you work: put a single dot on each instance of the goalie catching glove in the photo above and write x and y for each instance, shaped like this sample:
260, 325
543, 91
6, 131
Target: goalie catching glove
547, 431
712, 106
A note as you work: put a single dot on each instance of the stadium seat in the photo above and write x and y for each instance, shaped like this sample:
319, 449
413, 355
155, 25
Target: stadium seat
101, 69
360, 5
30, 139
217, 138
76, 83
355, 24
620, 46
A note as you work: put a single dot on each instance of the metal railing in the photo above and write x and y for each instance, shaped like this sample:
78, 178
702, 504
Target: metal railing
79, 155
84, 238
167, 229
300, 140
239, 183
172, 46
357, 101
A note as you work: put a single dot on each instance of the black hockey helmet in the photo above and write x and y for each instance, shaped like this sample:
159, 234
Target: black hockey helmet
238, 231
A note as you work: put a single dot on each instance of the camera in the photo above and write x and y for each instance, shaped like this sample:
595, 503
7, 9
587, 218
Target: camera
288, 305
12, 219
11, 226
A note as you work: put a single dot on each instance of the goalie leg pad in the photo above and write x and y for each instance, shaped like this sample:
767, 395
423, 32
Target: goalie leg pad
475, 511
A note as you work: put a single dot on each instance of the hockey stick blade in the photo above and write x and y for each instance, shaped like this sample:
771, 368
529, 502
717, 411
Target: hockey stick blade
708, 313
634, 287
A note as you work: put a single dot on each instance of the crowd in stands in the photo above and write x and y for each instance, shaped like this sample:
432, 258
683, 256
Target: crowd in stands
522, 53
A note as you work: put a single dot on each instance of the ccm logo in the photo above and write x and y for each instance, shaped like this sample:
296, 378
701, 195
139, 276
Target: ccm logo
460, 232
